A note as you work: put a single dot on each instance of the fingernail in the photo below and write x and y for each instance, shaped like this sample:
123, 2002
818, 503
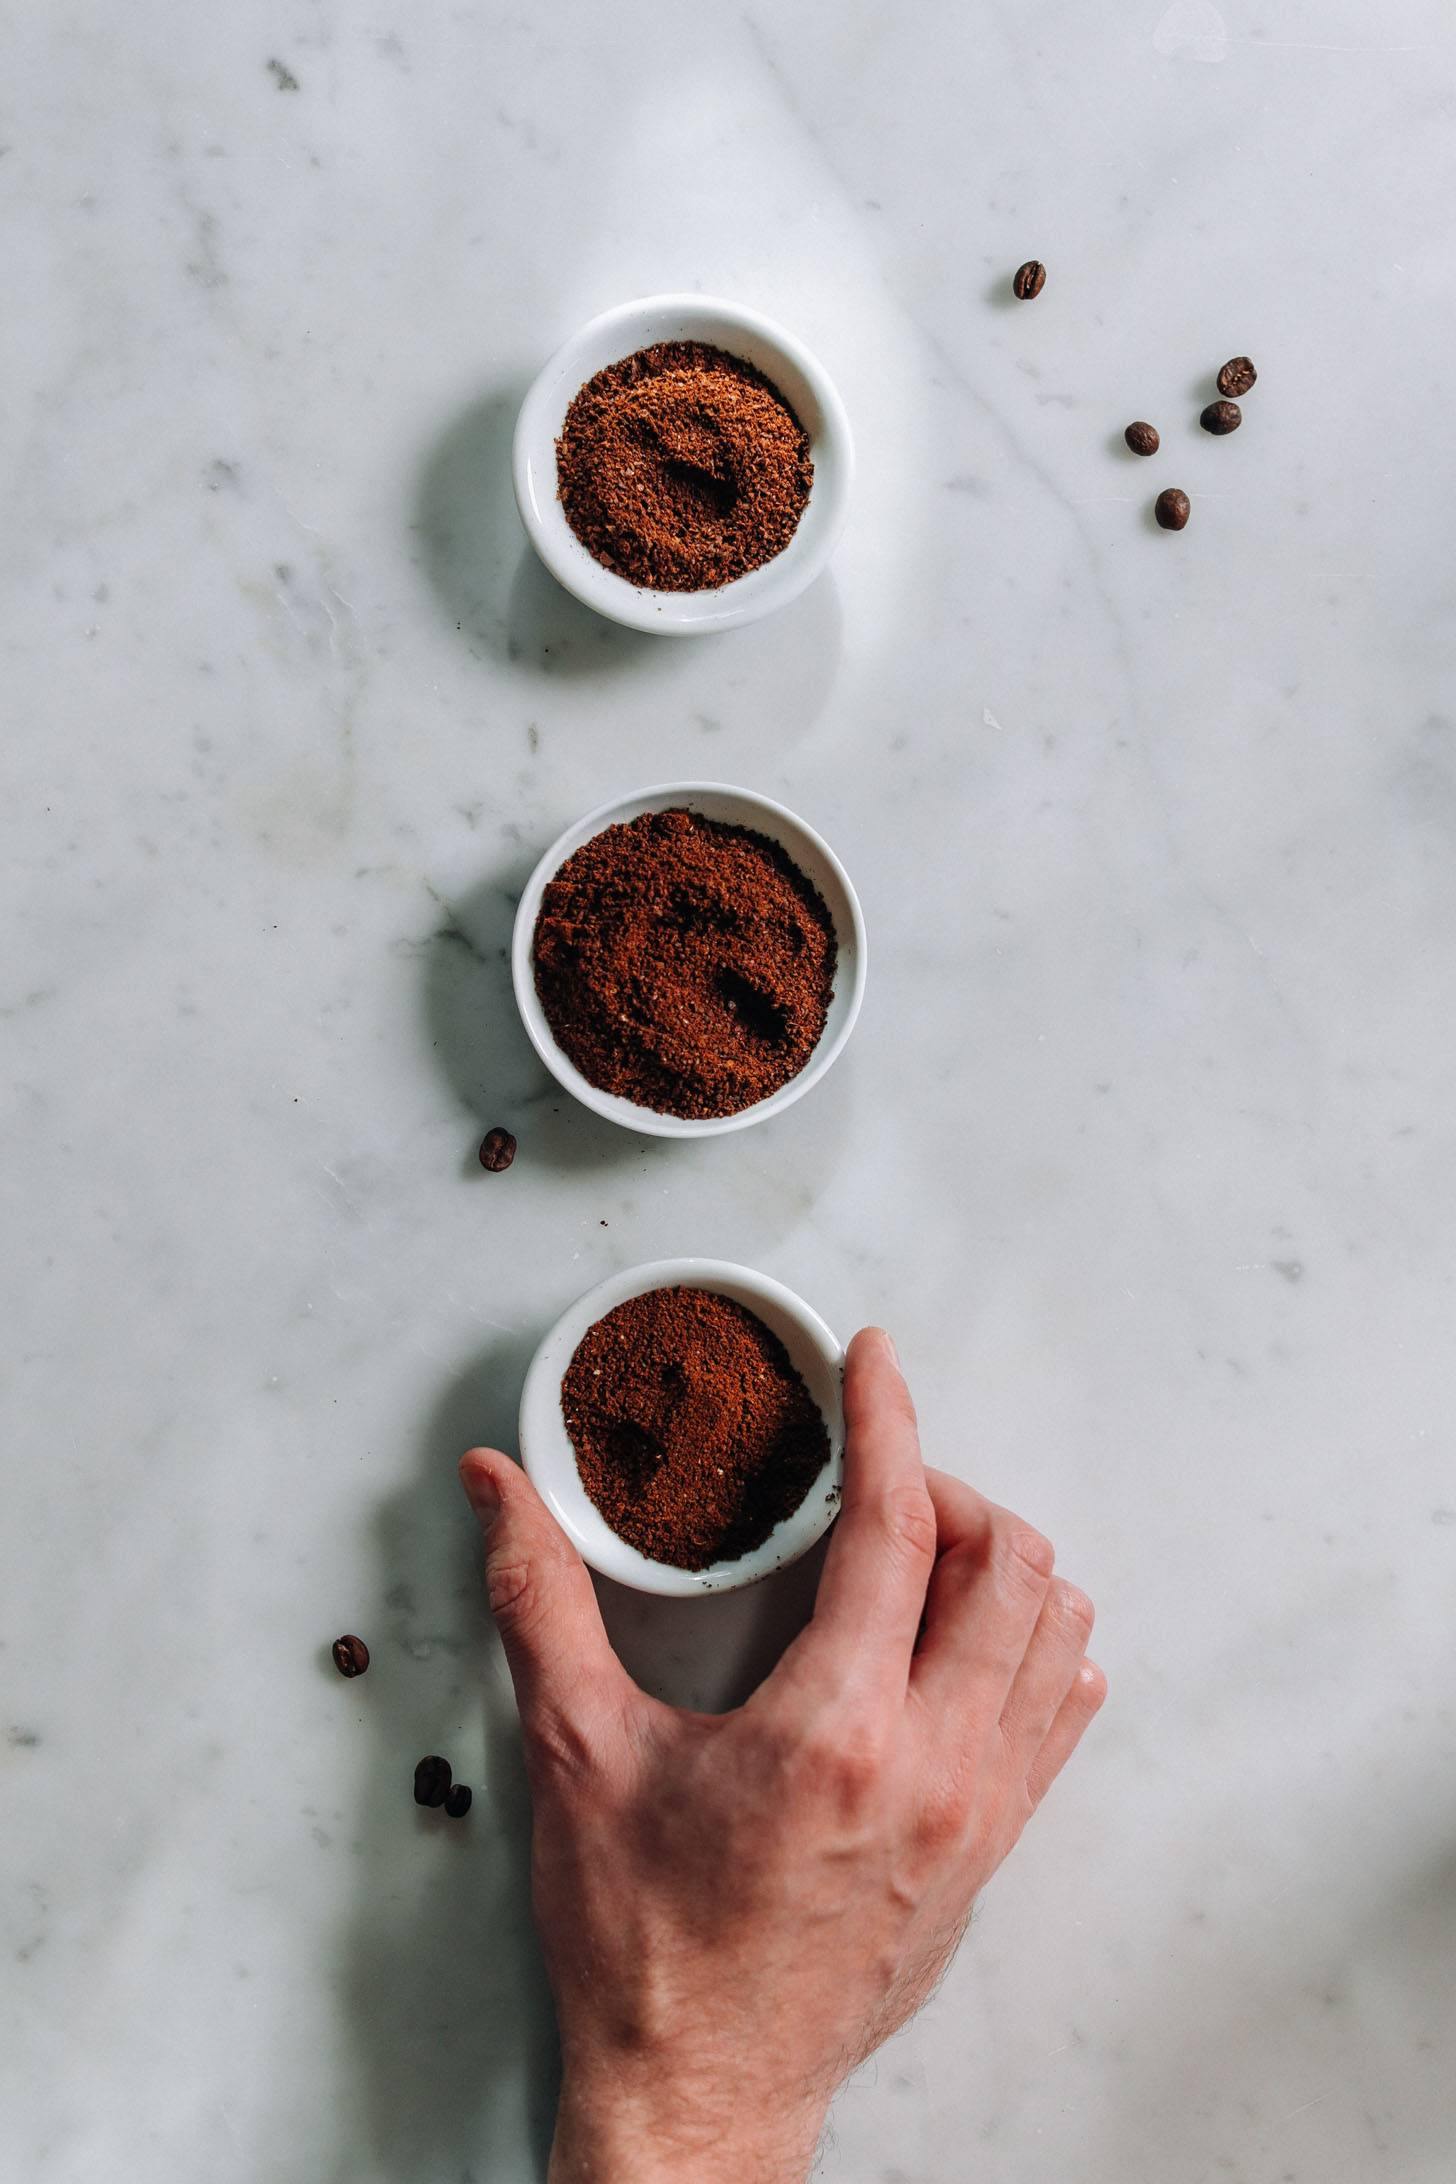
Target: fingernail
889, 1342
484, 1497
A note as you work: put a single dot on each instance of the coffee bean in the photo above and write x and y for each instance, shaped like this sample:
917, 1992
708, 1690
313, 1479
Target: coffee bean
497, 1150
1142, 439
432, 1780
1237, 376
1029, 280
457, 1804
1222, 417
1171, 509
351, 1656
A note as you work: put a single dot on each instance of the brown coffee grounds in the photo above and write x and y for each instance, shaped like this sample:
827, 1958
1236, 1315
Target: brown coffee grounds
682, 467
685, 964
693, 1433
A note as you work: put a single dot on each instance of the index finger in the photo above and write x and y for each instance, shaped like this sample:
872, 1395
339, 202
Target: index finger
872, 1592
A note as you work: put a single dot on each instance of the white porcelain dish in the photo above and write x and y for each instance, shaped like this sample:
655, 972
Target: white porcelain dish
800, 378
813, 856
548, 1455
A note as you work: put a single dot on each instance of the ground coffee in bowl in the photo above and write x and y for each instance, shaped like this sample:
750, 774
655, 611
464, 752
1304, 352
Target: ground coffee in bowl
681, 467
684, 964
694, 1435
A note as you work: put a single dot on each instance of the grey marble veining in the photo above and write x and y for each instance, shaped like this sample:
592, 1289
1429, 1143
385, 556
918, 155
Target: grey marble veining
1143, 1145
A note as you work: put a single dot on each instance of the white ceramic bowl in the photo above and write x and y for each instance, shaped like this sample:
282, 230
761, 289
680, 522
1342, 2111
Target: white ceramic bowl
813, 856
800, 379
548, 1456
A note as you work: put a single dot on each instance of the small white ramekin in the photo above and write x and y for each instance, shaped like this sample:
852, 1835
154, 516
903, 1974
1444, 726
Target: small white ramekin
550, 1459
813, 856
800, 378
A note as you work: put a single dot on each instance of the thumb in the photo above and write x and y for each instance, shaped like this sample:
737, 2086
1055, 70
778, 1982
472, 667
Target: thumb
556, 1645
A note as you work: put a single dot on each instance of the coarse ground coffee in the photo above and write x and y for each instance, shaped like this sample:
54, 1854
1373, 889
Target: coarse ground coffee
682, 467
693, 1433
685, 964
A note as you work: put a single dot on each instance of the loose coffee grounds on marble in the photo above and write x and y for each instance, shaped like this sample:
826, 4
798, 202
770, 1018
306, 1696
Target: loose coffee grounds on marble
682, 467
685, 964
693, 1433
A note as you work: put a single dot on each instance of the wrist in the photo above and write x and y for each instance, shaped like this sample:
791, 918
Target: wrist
613, 2129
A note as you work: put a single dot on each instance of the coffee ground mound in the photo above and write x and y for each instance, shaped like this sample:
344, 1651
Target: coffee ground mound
685, 964
682, 467
693, 1433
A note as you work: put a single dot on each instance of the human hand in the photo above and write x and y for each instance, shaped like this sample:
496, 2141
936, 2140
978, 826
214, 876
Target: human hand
737, 1909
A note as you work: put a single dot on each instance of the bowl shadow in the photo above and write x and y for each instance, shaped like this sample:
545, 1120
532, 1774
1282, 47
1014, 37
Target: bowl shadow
711, 1653
487, 580
474, 1031
444, 1993
1000, 294
507, 607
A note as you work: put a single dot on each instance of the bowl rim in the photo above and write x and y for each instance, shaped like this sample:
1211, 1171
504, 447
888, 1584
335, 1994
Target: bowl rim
783, 825
678, 614
550, 1461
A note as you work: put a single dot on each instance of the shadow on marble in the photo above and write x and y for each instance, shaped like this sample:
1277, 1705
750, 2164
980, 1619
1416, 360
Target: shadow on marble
444, 1993
476, 1037
502, 601
1000, 294
795, 650
709, 1654
490, 583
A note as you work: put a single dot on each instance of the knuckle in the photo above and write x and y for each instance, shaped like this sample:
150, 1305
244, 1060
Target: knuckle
556, 1747
855, 1769
908, 1518
776, 1748
1027, 1557
512, 1591
942, 1816
847, 1762
1073, 1608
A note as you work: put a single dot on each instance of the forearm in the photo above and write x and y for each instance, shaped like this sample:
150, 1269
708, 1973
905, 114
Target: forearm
617, 2135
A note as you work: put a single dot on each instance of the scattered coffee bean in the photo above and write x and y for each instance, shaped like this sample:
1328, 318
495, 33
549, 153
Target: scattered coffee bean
1222, 417
1029, 280
1171, 509
1237, 376
497, 1150
457, 1801
1142, 439
432, 1780
351, 1656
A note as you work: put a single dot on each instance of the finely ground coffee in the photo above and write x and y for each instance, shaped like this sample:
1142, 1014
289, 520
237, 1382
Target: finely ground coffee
682, 467
693, 1433
685, 964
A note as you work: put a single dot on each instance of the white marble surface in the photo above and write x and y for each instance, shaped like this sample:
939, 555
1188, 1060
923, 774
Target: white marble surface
1143, 1146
